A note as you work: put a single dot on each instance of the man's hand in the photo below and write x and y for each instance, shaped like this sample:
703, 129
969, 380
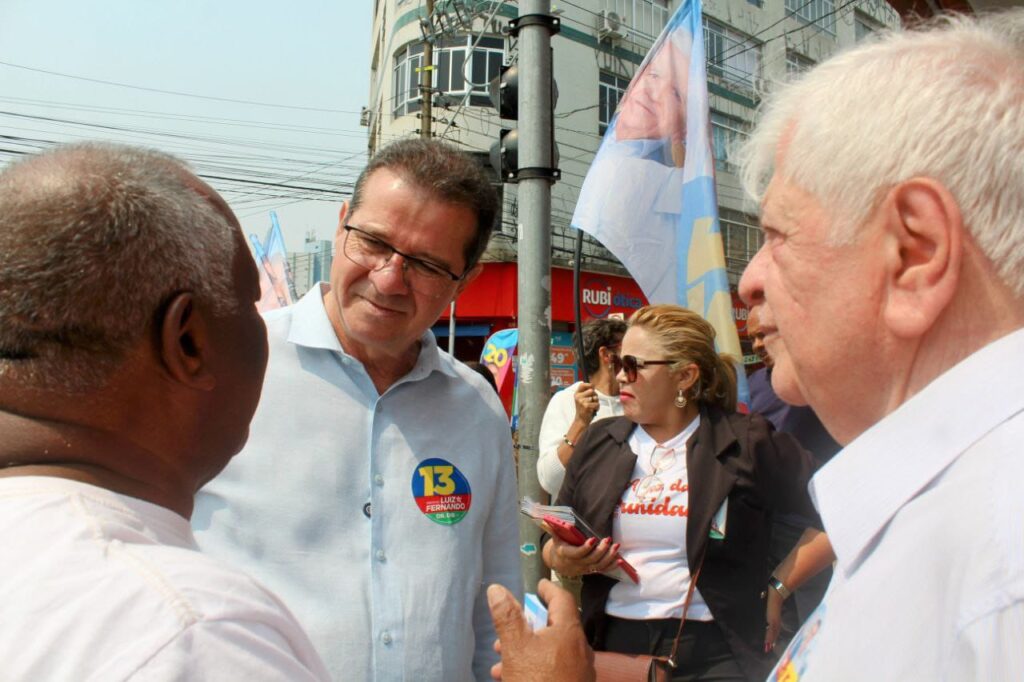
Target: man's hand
557, 653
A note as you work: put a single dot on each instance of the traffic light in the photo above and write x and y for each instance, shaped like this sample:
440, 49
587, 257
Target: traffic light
504, 92
505, 154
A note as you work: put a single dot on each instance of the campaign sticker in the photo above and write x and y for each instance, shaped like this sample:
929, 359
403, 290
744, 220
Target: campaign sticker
441, 491
793, 664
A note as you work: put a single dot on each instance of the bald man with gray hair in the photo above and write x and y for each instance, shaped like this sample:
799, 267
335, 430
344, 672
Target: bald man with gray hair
131, 361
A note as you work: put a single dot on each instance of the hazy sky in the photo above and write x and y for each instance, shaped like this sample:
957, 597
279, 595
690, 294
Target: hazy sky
309, 58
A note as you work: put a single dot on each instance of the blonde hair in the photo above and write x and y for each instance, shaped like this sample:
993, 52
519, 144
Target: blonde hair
686, 337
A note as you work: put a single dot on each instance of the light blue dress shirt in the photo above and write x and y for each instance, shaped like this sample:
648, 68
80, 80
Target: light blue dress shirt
330, 505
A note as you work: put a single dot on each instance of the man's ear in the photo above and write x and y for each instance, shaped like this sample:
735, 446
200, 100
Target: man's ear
467, 278
342, 214
184, 338
924, 254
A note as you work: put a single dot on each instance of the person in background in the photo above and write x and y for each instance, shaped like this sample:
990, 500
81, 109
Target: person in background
377, 493
684, 486
482, 369
131, 360
800, 422
571, 410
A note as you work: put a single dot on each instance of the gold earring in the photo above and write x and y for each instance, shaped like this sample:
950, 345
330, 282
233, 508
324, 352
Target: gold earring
680, 400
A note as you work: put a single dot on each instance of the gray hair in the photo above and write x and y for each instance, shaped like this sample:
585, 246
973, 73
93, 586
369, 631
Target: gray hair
94, 239
945, 101
444, 173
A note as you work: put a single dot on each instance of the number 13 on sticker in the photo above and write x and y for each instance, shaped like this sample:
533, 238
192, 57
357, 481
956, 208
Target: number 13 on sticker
441, 491
442, 485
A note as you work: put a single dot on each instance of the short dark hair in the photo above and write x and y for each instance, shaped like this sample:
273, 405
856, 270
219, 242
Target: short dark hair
598, 334
445, 173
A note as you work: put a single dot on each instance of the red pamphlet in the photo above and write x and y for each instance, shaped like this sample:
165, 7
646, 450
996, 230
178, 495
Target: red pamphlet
571, 528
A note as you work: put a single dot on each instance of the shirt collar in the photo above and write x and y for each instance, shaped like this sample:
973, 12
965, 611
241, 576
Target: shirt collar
313, 329
863, 487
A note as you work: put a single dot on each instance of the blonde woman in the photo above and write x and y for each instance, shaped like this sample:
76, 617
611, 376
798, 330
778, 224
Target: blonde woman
680, 481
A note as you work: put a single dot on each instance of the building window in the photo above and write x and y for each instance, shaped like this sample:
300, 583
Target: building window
732, 56
725, 130
821, 13
756, 3
740, 238
797, 63
864, 26
457, 69
611, 88
407, 80
646, 17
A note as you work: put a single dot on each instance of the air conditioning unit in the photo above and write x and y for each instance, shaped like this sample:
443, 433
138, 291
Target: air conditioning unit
609, 25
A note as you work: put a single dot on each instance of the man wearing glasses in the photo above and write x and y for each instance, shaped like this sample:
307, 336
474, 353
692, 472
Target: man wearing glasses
377, 494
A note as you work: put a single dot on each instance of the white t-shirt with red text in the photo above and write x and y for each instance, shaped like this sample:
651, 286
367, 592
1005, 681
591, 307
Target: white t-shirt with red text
650, 524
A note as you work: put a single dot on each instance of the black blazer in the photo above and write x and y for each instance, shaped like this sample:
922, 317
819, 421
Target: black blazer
737, 456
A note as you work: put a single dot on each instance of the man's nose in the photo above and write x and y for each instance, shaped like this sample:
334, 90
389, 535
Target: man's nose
751, 288
389, 278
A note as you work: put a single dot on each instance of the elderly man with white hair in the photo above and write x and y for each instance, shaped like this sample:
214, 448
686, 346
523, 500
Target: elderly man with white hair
891, 289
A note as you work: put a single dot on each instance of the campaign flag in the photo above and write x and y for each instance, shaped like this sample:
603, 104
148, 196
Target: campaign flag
269, 299
499, 357
277, 257
649, 195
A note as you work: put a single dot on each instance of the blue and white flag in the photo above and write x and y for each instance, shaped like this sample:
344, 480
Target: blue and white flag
649, 195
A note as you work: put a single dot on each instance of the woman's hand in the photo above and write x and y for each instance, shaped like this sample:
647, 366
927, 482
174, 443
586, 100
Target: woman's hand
587, 403
593, 556
773, 618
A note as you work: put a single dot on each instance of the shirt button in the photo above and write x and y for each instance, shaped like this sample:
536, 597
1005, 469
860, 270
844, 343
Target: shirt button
367, 509
386, 637
379, 480
380, 555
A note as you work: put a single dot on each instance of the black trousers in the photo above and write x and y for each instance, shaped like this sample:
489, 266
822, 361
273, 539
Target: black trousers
703, 653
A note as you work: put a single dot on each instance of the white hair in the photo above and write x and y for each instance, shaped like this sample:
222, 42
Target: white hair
944, 101
94, 239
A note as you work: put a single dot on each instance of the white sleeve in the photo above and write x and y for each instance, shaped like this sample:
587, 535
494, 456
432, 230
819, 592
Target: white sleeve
232, 650
500, 550
991, 647
553, 426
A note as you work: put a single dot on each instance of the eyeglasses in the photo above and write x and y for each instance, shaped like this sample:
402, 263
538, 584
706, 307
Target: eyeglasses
368, 251
631, 364
650, 487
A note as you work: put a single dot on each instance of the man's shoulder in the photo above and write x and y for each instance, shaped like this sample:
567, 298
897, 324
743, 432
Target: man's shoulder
125, 578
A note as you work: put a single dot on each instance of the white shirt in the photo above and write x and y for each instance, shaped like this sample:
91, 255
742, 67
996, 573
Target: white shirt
925, 512
650, 524
103, 587
398, 594
558, 417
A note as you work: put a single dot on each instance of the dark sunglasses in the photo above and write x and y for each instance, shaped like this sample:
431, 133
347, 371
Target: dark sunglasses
631, 364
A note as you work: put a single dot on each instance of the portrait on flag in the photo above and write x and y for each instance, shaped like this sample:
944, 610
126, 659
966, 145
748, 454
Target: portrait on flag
649, 195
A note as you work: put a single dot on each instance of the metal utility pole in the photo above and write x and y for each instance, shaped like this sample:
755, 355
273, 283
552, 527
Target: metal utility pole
426, 73
534, 27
